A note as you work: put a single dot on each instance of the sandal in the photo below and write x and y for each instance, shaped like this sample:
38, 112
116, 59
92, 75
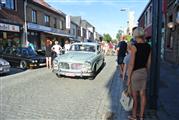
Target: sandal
132, 118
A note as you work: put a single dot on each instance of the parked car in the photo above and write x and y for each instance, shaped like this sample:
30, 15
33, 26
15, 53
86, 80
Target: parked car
83, 60
23, 57
4, 66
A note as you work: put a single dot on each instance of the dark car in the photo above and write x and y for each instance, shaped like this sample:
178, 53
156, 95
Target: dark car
23, 57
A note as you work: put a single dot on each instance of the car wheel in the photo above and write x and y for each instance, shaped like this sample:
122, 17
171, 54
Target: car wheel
58, 75
23, 64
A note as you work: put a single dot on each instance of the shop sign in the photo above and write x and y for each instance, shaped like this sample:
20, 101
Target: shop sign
42, 28
9, 27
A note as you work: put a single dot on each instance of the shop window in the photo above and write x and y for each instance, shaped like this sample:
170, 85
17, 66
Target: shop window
47, 20
10, 4
34, 16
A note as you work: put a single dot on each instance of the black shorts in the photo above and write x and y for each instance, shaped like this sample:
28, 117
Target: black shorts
120, 60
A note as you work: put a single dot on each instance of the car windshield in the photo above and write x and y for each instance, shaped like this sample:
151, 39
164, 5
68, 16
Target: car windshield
82, 47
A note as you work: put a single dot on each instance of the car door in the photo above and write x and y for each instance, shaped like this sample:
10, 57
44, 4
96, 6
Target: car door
8, 56
16, 56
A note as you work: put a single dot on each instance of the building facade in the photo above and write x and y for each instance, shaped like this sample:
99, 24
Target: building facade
11, 23
145, 21
172, 32
44, 22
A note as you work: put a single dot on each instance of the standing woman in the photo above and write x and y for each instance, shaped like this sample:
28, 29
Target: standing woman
48, 53
139, 64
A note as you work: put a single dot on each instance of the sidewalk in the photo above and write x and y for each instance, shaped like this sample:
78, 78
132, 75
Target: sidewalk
112, 108
169, 92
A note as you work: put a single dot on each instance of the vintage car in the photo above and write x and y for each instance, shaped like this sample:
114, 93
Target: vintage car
23, 57
4, 66
82, 60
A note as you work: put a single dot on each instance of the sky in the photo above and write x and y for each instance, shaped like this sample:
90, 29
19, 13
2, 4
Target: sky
105, 15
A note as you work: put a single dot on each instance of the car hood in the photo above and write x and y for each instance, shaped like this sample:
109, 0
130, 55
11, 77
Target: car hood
79, 57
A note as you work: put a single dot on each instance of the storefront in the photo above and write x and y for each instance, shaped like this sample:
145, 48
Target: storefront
37, 35
10, 35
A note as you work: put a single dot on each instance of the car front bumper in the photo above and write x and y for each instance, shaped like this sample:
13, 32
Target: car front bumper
4, 69
73, 74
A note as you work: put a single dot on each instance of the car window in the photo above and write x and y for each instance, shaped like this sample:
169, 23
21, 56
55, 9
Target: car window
24, 52
81, 47
7, 51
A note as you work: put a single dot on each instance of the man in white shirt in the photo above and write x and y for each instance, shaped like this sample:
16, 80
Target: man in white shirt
56, 48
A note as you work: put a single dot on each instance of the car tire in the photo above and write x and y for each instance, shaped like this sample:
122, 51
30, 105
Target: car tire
59, 76
23, 65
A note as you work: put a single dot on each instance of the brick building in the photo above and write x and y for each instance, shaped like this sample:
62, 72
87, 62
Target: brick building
43, 22
145, 21
11, 23
172, 32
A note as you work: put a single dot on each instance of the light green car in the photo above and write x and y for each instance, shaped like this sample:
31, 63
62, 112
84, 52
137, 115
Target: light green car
82, 60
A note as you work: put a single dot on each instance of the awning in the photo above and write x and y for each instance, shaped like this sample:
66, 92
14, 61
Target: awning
58, 34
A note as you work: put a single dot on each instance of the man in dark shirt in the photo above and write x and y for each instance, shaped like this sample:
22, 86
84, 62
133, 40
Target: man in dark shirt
121, 53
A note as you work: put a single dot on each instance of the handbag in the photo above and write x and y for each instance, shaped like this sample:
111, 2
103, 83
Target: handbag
126, 100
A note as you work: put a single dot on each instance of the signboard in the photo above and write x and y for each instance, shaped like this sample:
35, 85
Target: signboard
42, 28
9, 27
68, 22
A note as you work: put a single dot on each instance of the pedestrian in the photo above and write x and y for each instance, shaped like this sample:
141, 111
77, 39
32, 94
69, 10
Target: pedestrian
121, 53
67, 46
137, 79
110, 46
56, 49
133, 41
126, 61
48, 53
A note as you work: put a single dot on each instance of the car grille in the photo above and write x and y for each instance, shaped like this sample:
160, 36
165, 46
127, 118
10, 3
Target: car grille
76, 66
64, 65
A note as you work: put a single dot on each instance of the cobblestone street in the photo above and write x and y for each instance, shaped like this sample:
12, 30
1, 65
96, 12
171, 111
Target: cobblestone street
39, 94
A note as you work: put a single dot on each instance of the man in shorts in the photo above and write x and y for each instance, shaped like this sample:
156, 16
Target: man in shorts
121, 53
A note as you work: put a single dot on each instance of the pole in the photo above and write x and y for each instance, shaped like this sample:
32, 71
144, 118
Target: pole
25, 23
156, 50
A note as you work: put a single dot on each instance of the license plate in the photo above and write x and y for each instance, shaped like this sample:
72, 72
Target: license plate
42, 64
70, 74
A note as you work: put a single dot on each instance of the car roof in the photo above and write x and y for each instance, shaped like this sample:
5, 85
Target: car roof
86, 43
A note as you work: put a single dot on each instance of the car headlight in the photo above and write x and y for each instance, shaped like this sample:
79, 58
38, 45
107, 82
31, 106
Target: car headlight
87, 65
34, 61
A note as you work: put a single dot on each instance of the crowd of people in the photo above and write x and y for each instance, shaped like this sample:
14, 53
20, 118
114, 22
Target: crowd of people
53, 51
134, 59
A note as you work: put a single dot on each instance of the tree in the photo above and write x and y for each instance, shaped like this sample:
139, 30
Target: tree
119, 34
128, 37
107, 37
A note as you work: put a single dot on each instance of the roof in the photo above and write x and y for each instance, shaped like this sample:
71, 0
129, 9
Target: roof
149, 3
76, 20
46, 5
87, 43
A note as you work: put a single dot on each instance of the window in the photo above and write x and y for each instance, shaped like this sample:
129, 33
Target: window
61, 24
34, 16
55, 22
47, 20
150, 19
146, 18
10, 4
